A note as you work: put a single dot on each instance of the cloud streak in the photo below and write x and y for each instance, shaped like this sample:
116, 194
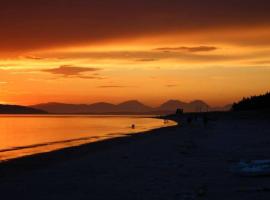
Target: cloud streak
73, 71
150, 56
33, 57
189, 49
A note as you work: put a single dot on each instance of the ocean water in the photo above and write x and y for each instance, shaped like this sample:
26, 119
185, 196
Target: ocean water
22, 135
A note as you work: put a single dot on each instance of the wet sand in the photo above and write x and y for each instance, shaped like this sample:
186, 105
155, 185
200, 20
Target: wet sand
182, 162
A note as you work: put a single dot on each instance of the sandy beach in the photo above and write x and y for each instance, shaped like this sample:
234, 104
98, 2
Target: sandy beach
181, 162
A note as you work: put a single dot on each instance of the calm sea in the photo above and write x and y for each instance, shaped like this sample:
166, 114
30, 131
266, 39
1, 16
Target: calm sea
22, 135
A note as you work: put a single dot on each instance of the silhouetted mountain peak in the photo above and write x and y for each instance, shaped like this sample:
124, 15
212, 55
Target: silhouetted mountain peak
172, 105
199, 102
131, 102
133, 106
173, 102
102, 104
197, 106
194, 106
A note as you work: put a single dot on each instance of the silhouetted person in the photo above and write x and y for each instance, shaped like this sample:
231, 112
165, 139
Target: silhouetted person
133, 126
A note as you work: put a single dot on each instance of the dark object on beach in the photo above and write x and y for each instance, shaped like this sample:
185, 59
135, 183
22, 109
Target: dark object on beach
252, 168
166, 121
179, 111
133, 126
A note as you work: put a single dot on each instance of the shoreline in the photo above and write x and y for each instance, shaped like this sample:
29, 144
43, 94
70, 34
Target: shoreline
59, 155
17, 152
180, 162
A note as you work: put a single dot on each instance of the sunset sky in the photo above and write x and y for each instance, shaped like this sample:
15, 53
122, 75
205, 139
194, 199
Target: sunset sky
84, 51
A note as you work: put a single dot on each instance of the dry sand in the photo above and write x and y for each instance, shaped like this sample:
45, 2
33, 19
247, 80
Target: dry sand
183, 162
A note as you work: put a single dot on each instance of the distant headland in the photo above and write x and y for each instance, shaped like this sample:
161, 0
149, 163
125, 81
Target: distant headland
260, 102
15, 109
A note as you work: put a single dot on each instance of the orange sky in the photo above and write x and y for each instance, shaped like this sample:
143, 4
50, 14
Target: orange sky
87, 51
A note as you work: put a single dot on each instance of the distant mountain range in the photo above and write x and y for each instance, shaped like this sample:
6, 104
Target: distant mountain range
128, 107
14, 109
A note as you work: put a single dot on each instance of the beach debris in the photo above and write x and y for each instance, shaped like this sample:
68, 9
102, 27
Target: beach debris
252, 168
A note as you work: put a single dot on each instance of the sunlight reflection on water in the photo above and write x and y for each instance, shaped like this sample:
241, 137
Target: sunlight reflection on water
22, 135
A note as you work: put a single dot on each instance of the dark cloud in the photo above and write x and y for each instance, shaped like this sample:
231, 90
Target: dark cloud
32, 24
189, 49
73, 71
